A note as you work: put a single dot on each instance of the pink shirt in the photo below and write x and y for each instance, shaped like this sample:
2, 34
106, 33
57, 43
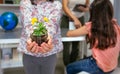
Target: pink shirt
107, 59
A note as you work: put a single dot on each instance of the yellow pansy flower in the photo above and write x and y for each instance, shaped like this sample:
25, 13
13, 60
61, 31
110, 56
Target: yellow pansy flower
46, 19
39, 28
34, 20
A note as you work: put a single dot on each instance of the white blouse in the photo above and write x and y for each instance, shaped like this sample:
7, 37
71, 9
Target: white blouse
72, 4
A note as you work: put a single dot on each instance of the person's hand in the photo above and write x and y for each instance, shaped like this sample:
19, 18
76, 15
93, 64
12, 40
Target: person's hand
46, 47
32, 46
43, 48
84, 9
77, 23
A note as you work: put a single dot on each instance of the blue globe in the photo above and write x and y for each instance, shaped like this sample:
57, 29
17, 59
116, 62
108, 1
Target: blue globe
8, 21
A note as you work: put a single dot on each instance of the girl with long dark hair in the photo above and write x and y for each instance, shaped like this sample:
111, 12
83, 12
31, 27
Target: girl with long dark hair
103, 34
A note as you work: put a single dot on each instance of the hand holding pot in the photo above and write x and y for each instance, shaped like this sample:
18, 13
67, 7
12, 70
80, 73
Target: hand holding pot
33, 47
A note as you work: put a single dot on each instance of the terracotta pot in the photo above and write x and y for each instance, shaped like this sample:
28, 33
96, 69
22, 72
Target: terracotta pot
39, 39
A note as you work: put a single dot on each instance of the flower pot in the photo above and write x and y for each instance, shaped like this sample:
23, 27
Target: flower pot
39, 39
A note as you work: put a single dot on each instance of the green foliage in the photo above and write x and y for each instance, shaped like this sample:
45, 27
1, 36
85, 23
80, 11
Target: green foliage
40, 30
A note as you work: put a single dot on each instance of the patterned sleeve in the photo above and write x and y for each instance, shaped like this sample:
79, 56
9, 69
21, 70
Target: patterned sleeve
25, 14
25, 9
55, 18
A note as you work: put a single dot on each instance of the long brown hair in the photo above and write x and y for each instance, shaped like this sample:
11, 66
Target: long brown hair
102, 29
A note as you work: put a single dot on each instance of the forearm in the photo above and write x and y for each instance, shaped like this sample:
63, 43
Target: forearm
87, 5
77, 32
87, 2
67, 10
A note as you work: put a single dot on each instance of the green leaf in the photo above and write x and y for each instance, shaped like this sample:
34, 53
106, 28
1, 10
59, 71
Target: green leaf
40, 30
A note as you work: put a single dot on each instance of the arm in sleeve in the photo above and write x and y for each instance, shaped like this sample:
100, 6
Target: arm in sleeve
55, 19
25, 9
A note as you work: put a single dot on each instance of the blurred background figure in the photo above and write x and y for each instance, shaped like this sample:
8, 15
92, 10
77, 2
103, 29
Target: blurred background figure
74, 11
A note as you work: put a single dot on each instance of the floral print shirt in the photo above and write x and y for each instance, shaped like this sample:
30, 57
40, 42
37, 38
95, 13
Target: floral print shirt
51, 10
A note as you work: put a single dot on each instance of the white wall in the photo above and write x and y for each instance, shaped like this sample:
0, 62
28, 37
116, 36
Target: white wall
117, 10
112, 1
